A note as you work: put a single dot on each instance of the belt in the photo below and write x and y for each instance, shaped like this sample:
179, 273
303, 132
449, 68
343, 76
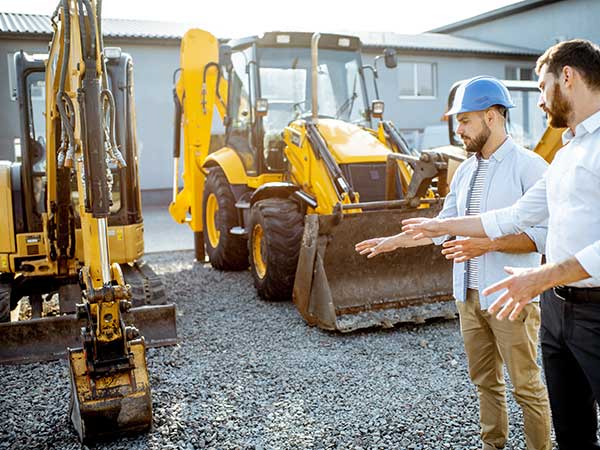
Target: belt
578, 295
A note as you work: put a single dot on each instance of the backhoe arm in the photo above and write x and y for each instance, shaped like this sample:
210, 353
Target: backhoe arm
198, 91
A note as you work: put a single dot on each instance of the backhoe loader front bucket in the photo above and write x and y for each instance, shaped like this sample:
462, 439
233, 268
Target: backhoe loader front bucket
338, 289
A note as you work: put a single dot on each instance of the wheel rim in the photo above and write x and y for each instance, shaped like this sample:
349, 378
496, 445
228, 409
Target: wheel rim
258, 250
212, 208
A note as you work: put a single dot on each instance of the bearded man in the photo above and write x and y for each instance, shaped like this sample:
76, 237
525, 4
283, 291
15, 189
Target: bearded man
497, 175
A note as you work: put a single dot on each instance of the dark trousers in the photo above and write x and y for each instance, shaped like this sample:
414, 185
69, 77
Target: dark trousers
570, 337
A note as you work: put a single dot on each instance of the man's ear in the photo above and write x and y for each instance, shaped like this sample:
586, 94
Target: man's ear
490, 116
567, 75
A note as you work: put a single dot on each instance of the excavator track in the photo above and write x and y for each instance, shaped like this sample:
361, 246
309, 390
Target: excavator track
146, 287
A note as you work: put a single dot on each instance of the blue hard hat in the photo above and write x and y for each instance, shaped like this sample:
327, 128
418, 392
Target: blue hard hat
479, 93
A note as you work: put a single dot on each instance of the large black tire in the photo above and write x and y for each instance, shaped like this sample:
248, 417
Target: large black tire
282, 224
230, 252
5, 291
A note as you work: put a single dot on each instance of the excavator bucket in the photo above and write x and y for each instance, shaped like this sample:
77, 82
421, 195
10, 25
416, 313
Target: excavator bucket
113, 403
47, 338
338, 289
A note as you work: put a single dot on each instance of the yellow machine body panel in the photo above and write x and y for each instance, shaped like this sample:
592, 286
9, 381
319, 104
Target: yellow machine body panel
350, 143
126, 243
199, 48
308, 172
550, 143
256, 182
7, 242
229, 160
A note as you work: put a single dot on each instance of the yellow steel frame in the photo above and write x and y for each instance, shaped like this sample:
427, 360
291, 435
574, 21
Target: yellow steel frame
198, 49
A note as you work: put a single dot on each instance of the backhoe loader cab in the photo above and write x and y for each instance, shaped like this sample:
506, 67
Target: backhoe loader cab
269, 81
304, 173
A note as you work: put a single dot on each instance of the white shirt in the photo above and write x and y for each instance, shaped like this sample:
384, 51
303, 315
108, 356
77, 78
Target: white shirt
569, 196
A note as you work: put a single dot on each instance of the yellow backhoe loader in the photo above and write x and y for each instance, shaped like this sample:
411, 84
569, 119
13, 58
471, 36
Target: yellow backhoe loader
71, 224
308, 168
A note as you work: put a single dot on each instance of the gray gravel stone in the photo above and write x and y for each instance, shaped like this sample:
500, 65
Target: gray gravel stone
252, 375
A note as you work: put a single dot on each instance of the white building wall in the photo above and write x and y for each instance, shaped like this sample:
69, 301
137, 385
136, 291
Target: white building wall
541, 27
414, 115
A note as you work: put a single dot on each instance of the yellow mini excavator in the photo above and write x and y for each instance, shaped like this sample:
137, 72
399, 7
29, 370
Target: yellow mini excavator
71, 225
308, 168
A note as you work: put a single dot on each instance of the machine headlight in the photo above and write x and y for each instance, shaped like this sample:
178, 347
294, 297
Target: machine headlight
377, 108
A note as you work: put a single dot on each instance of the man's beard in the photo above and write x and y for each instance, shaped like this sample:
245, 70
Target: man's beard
558, 114
476, 144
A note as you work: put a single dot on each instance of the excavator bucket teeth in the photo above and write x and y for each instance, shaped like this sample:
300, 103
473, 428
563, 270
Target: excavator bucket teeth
338, 289
47, 338
112, 404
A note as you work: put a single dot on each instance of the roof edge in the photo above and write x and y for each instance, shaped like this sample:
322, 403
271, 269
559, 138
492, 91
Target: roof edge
495, 14
453, 52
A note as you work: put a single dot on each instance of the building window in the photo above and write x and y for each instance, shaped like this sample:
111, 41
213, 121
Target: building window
12, 82
417, 79
519, 73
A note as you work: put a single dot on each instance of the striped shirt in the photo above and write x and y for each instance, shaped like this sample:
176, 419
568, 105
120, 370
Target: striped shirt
473, 209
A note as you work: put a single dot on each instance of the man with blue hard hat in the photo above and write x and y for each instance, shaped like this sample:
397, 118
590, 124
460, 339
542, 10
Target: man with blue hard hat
496, 176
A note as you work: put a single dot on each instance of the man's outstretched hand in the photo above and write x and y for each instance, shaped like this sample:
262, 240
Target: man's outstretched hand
521, 286
461, 250
423, 227
375, 246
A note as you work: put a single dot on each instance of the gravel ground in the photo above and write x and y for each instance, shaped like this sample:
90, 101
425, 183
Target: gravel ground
251, 375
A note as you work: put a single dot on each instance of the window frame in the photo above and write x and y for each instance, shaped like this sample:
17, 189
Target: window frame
414, 64
518, 70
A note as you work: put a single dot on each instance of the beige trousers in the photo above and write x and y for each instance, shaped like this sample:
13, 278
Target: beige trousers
489, 343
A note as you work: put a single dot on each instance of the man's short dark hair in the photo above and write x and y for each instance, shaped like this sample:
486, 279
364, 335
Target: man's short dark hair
500, 109
581, 54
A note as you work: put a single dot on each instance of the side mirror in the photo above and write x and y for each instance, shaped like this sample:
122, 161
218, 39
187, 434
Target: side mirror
262, 107
225, 55
389, 55
377, 107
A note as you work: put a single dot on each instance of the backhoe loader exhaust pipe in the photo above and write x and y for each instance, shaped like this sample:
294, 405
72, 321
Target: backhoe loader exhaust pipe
314, 52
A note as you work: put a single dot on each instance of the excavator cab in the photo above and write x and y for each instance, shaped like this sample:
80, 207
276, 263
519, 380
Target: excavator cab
30, 169
24, 246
